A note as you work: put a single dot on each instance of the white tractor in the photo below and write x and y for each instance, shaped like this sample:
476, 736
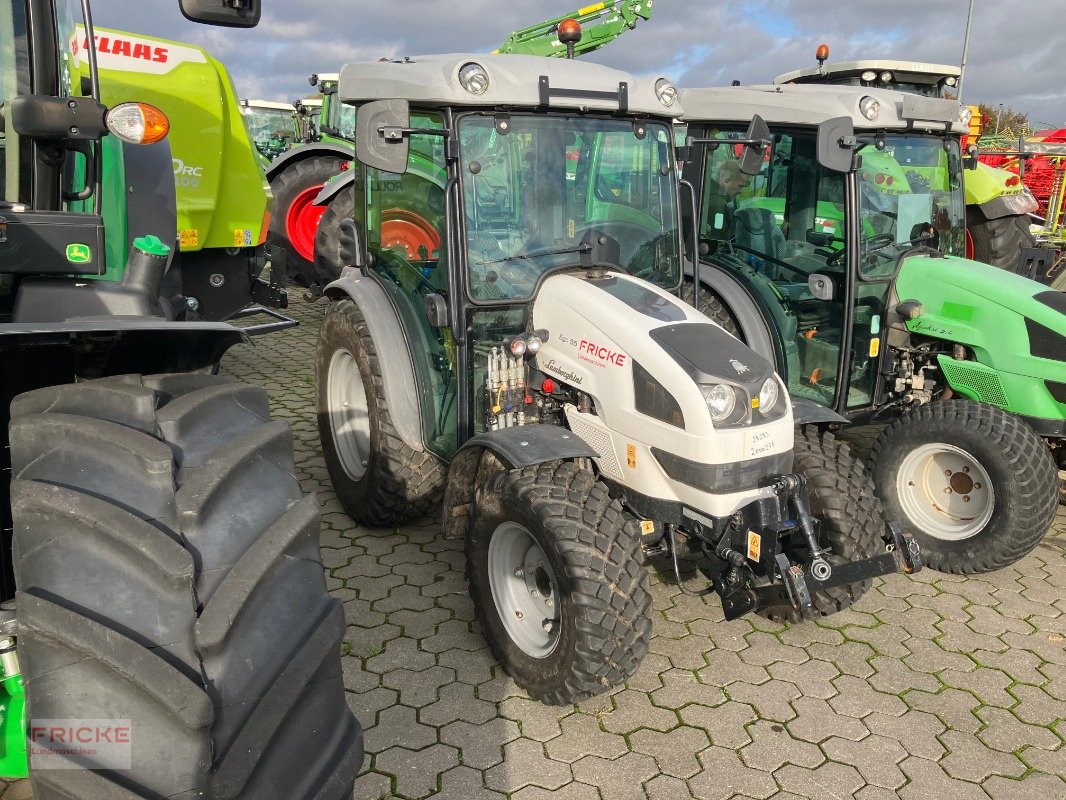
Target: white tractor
506, 339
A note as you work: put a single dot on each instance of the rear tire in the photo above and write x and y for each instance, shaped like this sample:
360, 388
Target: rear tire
1012, 481
298, 183
168, 573
998, 242
559, 524
380, 481
842, 496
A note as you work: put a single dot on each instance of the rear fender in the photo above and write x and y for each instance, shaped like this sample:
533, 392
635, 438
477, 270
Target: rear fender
334, 186
400, 386
308, 151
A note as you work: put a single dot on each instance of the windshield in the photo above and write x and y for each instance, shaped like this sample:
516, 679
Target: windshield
910, 193
341, 119
532, 196
270, 128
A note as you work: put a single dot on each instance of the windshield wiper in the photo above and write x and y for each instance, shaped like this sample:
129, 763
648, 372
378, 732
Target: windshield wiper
584, 247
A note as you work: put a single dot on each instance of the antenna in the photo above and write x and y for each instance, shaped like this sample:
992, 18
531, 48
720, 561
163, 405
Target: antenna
965, 49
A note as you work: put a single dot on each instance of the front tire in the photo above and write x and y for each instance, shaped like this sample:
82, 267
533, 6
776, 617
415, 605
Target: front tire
380, 481
168, 573
558, 581
842, 497
998, 242
975, 484
712, 306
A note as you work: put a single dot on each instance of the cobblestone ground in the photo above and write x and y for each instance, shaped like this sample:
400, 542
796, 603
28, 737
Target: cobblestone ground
932, 687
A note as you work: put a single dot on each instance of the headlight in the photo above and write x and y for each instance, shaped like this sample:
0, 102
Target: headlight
768, 395
665, 91
137, 123
869, 106
965, 115
886, 77
474, 78
869, 75
721, 400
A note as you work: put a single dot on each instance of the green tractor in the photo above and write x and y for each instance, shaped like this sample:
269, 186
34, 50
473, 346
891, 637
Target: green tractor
997, 203
273, 126
166, 630
843, 262
222, 199
297, 177
532, 373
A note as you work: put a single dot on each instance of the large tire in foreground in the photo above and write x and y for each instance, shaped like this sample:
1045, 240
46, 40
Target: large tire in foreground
973, 483
380, 481
842, 496
557, 577
295, 218
998, 242
168, 574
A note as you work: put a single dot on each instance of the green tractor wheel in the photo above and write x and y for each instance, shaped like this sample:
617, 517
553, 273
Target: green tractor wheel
976, 486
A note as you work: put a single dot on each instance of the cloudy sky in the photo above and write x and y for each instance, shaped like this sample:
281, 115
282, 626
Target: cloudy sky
1012, 59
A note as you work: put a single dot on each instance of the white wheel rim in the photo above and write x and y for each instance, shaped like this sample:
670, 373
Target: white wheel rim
349, 418
524, 589
945, 491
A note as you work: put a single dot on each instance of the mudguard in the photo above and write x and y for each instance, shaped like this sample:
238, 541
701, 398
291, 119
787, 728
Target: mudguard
747, 312
401, 389
987, 189
527, 445
307, 151
334, 186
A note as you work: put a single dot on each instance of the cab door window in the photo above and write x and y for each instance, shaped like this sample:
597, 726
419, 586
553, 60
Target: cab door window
15, 153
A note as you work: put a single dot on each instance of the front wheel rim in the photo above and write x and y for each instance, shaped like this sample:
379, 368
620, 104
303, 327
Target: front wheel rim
349, 414
945, 491
524, 590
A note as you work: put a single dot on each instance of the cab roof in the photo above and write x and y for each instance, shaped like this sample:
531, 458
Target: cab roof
272, 104
905, 71
514, 81
814, 104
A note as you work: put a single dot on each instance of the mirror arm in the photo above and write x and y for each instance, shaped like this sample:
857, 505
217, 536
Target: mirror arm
393, 134
695, 243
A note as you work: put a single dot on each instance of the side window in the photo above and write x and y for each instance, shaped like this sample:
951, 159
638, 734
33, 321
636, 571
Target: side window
14, 80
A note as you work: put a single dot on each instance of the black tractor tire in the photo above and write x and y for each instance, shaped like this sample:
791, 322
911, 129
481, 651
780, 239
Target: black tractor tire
712, 306
1022, 475
398, 483
328, 264
842, 497
295, 179
592, 548
998, 242
168, 573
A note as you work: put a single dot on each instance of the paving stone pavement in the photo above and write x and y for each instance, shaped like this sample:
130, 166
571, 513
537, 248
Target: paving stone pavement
933, 687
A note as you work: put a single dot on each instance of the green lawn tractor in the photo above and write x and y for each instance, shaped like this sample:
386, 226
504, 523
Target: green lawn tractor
165, 630
532, 374
997, 203
842, 263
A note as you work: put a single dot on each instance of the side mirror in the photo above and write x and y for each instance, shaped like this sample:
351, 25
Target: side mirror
969, 161
228, 13
836, 142
820, 286
752, 157
350, 245
380, 138
436, 310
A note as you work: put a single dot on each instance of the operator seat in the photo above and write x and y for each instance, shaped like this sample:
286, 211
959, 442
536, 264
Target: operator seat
756, 230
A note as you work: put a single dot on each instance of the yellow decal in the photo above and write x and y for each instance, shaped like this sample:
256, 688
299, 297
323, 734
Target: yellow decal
590, 9
754, 545
755, 402
875, 346
631, 456
242, 237
190, 238
647, 526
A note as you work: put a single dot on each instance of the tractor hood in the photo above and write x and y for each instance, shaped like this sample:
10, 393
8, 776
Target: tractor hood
1014, 324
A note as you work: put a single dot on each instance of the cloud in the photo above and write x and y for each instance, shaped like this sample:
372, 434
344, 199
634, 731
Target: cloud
696, 42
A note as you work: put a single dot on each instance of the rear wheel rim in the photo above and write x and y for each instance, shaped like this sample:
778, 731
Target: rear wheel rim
524, 590
410, 233
349, 414
301, 222
945, 491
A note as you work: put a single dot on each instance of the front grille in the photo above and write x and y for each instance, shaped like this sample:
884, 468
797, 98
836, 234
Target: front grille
1044, 342
1058, 391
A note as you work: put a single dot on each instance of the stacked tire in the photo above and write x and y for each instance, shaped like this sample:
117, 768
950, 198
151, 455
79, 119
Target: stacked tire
168, 573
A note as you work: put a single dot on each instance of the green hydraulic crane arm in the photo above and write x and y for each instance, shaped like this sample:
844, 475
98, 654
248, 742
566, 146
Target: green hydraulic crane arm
601, 23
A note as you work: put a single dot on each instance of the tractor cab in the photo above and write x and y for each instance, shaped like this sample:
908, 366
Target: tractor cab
337, 120
818, 248
574, 179
917, 77
273, 126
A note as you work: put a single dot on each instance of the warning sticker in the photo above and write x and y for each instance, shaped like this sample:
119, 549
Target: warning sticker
631, 456
647, 526
242, 237
190, 238
754, 545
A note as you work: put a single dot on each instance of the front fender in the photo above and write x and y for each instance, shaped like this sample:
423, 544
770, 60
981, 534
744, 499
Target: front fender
987, 188
334, 186
308, 151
